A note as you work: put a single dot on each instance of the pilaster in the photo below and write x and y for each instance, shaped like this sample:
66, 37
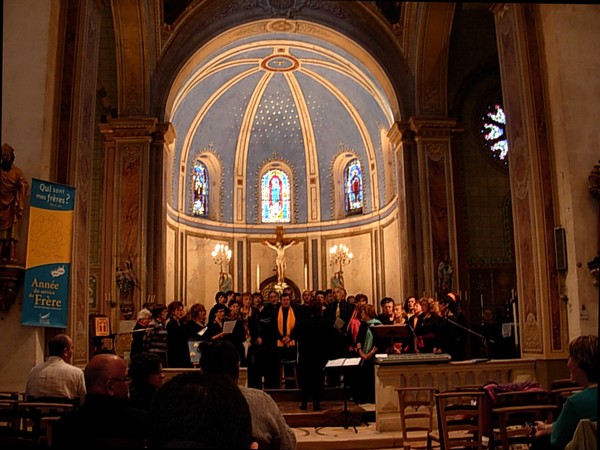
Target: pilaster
436, 199
128, 187
541, 314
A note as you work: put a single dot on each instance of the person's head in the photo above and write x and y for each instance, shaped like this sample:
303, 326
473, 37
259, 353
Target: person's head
200, 410
146, 369
220, 357
306, 296
198, 312
367, 312
387, 306
286, 300
176, 309
220, 311
234, 307
426, 304
106, 374
320, 295
144, 316
447, 304
361, 299
339, 293
409, 304
583, 359
160, 313
418, 309
61, 345
246, 299
220, 297
257, 300
229, 295
273, 297
399, 313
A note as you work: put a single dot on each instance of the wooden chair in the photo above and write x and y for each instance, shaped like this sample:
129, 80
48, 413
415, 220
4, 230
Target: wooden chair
514, 423
417, 408
34, 416
460, 420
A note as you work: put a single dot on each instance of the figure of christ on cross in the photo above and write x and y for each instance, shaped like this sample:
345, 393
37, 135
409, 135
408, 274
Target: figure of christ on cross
280, 245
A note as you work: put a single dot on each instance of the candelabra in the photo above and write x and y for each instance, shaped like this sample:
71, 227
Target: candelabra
221, 256
339, 255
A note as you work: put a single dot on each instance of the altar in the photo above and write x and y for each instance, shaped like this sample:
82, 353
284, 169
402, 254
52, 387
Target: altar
443, 376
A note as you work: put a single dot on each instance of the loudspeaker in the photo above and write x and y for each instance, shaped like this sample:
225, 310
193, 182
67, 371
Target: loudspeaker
560, 248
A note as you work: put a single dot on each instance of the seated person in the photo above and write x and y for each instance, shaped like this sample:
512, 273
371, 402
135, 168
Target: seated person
146, 373
269, 428
56, 379
106, 416
583, 368
197, 410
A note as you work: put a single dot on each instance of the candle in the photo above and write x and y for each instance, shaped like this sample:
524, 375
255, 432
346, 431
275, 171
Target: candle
306, 277
258, 277
481, 299
514, 311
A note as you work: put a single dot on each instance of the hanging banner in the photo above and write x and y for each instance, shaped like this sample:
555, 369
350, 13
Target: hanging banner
48, 260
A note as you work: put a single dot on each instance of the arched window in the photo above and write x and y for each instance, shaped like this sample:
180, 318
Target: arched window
200, 189
353, 188
275, 193
493, 132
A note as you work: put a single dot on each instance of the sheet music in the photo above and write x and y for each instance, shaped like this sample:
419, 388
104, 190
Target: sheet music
228, 326
343, 362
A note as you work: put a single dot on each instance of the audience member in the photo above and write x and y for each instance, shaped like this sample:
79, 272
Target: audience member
197, 410
146, 373
583, 367
269, 428
56, 378
144, 316
105, 419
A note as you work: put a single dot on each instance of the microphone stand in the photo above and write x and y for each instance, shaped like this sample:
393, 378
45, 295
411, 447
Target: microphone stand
484, 339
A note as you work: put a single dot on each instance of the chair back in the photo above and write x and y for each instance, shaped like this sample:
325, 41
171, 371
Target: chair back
417, 408
514, 423
460, 419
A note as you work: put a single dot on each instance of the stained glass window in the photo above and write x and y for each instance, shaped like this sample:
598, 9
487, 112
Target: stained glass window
200, 190
353, 188
493, 131
275, 196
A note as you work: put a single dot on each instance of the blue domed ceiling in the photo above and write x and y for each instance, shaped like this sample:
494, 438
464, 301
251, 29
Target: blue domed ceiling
289, 97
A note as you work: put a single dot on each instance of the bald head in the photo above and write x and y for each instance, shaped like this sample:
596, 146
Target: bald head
106, 374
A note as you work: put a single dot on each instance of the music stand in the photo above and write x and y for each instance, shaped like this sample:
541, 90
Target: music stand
343, 364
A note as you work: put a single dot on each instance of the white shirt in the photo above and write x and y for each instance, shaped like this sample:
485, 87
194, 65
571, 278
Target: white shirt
56, 378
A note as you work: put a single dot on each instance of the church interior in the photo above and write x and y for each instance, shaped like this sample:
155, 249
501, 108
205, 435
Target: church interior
397, 148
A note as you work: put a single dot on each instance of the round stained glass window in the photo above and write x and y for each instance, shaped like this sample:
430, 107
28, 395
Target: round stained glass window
493, 132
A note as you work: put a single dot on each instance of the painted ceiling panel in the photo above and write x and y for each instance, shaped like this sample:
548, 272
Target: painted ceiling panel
289, 97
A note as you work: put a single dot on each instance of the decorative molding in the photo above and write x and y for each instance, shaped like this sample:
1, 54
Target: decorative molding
435, 151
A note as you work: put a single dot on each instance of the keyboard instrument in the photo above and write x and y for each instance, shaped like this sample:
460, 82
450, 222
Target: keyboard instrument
412, 358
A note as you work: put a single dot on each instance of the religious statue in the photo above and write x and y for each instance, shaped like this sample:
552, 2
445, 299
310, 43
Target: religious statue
445, 271
280, 246
13, 190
